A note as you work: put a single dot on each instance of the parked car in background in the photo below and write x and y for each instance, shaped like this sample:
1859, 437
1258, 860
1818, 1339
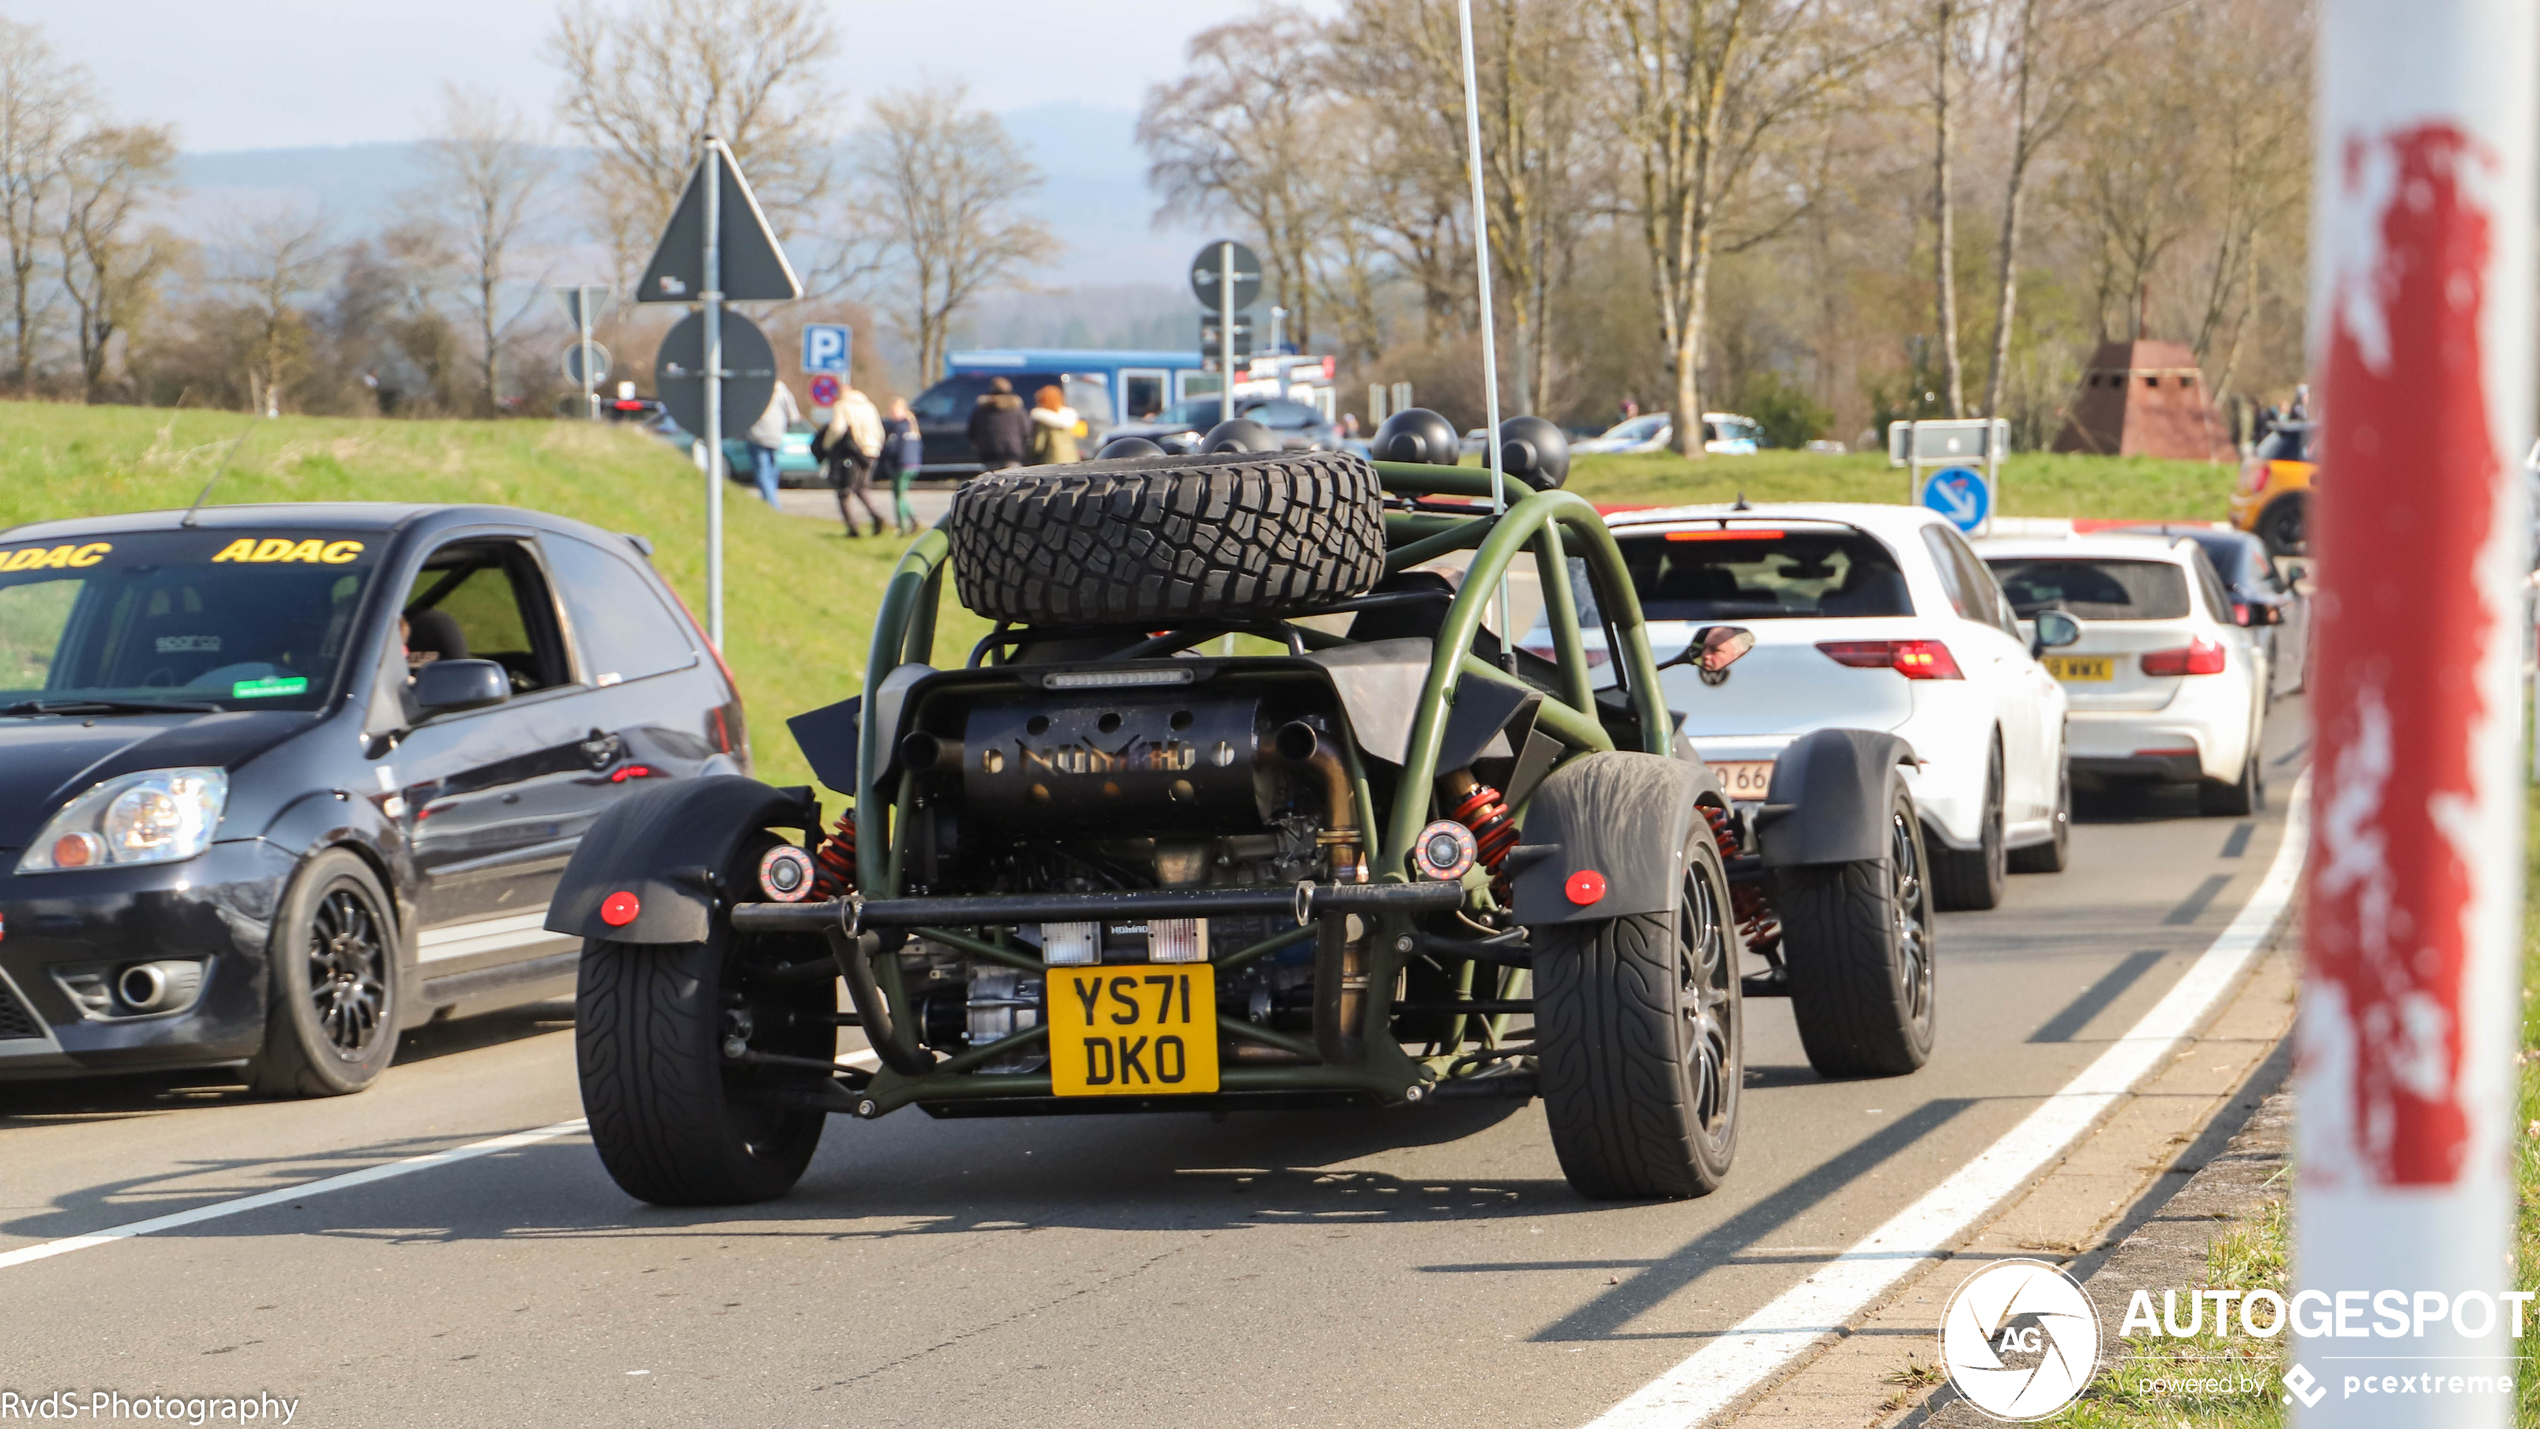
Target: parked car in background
2273, 501
2165, 687
1178, 429
1876, 618
795, 465
279, 781
2266, 601
1723, 434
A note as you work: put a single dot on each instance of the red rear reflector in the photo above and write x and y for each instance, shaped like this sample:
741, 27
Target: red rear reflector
2189, 753
1914, 659
619, 909
1585, 887
1738, 535
2201, 657
631, 771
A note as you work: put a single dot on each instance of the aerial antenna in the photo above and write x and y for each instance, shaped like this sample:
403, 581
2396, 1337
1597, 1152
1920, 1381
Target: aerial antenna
1490, 353
217, 474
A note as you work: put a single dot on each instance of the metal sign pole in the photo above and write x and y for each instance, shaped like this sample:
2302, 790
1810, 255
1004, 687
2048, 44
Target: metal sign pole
590, 392
713, 295
2420, 321
1490, 355
1226, 332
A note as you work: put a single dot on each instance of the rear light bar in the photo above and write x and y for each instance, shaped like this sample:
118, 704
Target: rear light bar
1724, 534
2199, 657
1914, 659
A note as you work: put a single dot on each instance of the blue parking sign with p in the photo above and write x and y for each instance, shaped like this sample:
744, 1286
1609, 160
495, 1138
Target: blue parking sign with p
827, 347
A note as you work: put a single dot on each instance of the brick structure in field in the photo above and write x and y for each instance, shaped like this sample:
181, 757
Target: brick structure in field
2144, 398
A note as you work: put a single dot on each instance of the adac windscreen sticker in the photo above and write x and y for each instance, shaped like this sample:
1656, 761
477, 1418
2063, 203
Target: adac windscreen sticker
273, 550
273, 685
28, 558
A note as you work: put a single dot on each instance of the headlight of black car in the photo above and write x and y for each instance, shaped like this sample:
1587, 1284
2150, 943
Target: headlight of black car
156, 816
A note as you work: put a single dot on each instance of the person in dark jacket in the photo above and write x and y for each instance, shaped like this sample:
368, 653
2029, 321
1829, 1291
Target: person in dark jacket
1000, 432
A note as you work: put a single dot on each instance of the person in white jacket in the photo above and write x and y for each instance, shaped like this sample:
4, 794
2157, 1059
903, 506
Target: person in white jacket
767, 435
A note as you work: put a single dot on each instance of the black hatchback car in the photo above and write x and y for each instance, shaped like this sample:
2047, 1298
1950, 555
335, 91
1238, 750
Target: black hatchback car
279, 781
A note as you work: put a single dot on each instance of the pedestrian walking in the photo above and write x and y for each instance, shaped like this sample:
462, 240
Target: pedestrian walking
848, 449
766, 438
903, 451
999, 432
1054, 428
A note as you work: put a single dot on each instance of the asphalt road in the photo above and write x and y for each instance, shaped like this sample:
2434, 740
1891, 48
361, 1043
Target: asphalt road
1402, 1268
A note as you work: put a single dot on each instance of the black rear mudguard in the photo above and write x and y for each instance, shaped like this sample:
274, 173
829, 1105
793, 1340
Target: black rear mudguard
1829, 798
671, 847
1624, 817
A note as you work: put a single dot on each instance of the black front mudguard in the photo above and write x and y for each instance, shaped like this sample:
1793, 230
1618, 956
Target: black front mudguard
671, 846
1624, 817
1828, 801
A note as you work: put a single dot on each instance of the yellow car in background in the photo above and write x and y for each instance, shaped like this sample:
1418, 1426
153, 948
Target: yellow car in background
2273, 501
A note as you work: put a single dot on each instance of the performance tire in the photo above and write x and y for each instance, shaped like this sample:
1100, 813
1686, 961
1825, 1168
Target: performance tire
669, 1113
2233, 799
331, 983
1240, 537
2285, 526
1857, 939
1641, 1030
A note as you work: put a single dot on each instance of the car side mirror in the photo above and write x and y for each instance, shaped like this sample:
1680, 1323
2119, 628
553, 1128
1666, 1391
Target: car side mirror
2055, 630
1712, 650
449, 686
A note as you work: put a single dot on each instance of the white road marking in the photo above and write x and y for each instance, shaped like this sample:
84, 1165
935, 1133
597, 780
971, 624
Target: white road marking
262, 1199
1767, 1342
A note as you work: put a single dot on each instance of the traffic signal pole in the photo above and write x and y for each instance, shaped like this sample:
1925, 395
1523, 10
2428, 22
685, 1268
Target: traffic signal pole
2421, 317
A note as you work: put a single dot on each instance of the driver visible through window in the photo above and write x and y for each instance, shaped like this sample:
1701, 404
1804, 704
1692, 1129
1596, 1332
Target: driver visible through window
1760, 573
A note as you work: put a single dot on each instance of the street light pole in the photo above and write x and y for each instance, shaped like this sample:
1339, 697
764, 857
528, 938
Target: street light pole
2421, 302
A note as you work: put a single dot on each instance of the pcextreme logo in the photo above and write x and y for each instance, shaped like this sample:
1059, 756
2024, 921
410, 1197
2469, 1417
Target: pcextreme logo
2019, 1340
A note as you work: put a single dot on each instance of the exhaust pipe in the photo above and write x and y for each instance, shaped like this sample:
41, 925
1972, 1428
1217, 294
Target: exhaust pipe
160, 986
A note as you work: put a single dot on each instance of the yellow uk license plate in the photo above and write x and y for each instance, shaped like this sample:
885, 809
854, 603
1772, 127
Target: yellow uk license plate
2081, 667
1743, 778
1137, 1030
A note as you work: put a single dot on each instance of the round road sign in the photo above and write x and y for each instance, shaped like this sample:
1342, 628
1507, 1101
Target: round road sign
573, 364
749, 373
1209, 267
824, 390
1959, 493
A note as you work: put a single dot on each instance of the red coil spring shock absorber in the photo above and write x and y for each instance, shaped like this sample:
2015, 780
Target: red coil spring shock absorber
836, 856
1756, 921
1479, 807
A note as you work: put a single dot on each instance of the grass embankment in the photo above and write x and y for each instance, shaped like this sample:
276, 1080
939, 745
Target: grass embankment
799, 595
2033, 484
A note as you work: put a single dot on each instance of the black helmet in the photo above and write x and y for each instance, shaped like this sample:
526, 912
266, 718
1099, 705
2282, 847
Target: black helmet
1239, 434
1535, 452
1125, 448
1417, 434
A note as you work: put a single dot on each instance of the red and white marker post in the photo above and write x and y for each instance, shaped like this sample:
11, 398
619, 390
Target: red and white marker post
2421, 330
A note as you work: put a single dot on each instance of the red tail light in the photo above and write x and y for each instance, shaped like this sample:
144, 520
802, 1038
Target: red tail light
2253, 476
2200, 657
1914, 659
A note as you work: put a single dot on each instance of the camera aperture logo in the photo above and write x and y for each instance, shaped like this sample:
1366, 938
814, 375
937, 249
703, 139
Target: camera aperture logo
2019, 1339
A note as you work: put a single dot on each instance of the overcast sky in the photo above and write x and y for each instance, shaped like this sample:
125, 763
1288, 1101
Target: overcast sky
255, 74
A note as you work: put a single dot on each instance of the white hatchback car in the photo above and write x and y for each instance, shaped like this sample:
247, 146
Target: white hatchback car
2165, 687
1865, 617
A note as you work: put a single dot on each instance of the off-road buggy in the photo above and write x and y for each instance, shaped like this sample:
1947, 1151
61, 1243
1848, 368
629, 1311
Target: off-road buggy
1101, 864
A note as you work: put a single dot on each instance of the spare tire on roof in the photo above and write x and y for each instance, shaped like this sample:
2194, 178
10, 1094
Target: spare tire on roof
1234, 537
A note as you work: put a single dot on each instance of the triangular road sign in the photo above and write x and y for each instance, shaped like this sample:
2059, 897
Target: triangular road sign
754, 266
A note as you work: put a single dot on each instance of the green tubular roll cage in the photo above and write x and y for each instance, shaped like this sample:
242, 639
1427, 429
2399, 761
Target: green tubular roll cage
1550, 525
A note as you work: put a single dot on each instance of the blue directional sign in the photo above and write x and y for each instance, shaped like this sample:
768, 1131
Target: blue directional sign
1960, 494
827, 347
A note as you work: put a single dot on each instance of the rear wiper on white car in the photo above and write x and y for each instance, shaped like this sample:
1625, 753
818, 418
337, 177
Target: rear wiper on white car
49, 707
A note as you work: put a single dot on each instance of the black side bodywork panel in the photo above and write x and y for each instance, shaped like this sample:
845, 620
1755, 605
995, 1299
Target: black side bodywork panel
1624, 816
667, 846
1828, 800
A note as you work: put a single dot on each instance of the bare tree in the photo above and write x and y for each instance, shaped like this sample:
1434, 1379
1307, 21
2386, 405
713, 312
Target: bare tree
1944, 49
109, 272
42, 98
1403, 147
486, 194
645, 79
1234, 138
270, 263
1703, 85
944, 182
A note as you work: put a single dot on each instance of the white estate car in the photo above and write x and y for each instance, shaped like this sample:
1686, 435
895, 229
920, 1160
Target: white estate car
1865, 617
2165, 687
1723, 434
